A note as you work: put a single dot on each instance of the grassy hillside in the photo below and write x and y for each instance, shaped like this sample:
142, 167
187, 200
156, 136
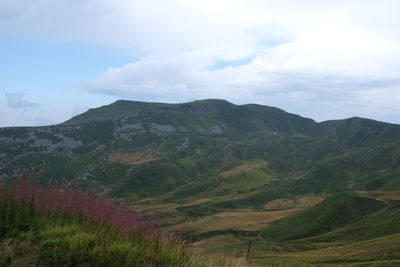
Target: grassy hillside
332, 213
59, 226
188, 146
351, 229
345, 229
383, 251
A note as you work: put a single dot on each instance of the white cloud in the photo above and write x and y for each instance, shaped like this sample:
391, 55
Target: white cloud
15, 101
323, 59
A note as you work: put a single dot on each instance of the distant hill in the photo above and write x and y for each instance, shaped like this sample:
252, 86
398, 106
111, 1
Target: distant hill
206, 148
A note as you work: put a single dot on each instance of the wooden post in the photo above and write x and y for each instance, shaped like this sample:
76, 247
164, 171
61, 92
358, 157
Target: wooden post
248, 249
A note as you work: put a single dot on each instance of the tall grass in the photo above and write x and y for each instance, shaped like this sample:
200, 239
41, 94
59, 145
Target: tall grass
72, 200
60, 225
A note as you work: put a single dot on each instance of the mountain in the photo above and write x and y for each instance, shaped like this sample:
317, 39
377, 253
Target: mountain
206, 148
223, 174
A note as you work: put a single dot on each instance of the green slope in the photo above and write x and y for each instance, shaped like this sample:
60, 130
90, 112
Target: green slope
191, 144
332, 213
346, 230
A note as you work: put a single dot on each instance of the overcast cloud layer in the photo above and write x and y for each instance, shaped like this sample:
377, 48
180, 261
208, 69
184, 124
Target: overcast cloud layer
320, 59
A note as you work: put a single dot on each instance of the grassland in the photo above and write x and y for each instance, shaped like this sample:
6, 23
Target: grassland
349, 229
344, 230
55, 225
246, 167
383, 251
132, 158
230, 226
240, 220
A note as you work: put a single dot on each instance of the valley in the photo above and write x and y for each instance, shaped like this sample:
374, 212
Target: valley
357, 237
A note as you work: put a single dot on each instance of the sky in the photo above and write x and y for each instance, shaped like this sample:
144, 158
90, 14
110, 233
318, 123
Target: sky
317, 58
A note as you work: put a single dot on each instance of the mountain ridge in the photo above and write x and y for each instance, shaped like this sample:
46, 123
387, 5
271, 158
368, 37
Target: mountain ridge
154, 105
188, 145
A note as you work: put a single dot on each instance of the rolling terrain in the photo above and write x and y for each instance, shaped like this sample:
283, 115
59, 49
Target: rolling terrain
224, 174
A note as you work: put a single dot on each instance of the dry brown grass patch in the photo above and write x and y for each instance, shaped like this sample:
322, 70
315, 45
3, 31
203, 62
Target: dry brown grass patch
244, 168
298, 202
132, 158
308, 201
244, 220
161, 206
280, 204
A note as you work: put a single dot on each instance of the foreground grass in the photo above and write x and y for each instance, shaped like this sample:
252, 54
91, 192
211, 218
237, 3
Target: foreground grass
55, 226
66, 241
54, 240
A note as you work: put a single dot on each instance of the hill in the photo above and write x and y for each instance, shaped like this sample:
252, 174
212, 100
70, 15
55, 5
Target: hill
332, 213
211, 165
347, 229
207, 148
126, 146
